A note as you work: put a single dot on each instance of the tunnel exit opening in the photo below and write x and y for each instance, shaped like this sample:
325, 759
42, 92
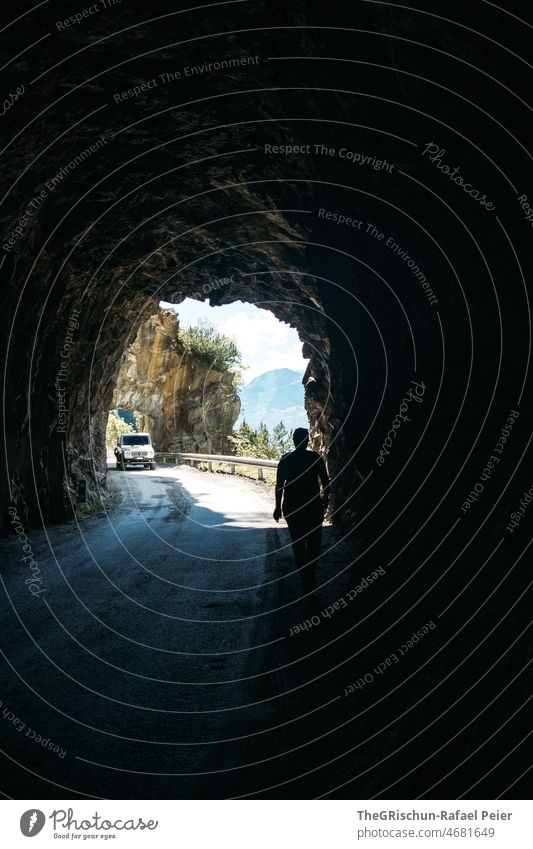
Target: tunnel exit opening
267, 359
123, 421
211, 380
232, 374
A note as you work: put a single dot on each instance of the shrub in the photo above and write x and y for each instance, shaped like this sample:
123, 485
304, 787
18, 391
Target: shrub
204, 340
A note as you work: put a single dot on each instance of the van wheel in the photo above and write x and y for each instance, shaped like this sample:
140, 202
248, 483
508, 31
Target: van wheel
153, 467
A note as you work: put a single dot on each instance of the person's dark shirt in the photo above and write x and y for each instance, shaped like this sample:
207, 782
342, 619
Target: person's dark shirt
301, 472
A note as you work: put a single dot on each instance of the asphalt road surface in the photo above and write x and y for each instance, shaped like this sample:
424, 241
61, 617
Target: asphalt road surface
173, 653
158, 657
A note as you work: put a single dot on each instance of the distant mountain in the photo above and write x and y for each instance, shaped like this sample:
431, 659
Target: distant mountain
272, 397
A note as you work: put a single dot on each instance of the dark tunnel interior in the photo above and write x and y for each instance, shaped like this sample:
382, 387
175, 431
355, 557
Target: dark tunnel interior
304, 152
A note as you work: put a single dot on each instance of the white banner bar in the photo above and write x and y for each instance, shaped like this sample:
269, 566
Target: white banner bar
268, 824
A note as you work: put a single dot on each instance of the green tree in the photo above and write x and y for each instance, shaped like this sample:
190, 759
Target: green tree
281, 440
205, 340
247, 442
263, 442
243, 441
115, 427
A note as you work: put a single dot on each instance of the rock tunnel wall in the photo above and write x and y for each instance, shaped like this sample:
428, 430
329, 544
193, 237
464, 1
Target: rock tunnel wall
310, 184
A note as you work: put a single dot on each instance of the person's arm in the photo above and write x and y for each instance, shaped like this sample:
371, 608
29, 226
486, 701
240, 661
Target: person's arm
280, 480
324, 480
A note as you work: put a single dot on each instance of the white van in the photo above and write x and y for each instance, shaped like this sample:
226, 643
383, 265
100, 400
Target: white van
135, 449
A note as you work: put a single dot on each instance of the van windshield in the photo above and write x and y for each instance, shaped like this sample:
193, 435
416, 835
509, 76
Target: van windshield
135, 439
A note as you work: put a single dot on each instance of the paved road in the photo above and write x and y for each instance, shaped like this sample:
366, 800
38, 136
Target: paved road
158, 658
163, 661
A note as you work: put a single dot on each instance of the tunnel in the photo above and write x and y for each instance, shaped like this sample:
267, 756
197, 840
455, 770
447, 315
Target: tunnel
299, 158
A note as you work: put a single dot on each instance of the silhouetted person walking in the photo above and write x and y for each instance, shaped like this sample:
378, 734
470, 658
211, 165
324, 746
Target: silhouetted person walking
300, 474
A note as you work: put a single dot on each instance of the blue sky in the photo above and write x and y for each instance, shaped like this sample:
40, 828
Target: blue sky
264, 342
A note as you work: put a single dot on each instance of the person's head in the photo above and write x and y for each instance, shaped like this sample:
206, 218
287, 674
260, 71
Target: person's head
300, 438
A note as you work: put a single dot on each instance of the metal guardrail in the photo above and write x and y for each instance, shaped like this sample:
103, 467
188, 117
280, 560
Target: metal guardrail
258, 462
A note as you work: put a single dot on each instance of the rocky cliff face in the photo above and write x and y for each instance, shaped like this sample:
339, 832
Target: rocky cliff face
186, 403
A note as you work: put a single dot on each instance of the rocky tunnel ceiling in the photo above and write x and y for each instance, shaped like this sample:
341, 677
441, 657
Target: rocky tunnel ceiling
361, 177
